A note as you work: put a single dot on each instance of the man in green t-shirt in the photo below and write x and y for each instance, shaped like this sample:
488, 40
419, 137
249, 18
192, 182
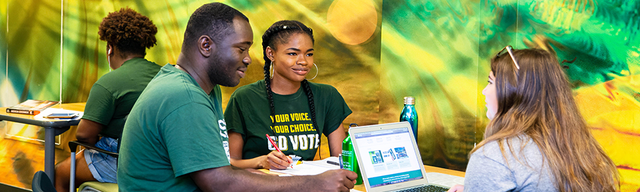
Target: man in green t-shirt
175, 138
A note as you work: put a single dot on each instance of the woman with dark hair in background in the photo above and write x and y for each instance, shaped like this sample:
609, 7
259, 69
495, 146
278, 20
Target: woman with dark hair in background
537, 139
127, 34
292, 110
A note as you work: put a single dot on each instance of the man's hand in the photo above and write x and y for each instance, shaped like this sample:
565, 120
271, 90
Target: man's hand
334, 180
276, 160
456, 188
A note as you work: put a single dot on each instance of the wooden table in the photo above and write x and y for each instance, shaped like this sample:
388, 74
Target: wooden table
52, 128
427, 169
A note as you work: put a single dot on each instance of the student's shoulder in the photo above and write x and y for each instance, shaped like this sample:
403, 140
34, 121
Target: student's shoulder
322, 87
172, 94
112, 81
175, 85
494, 149
130, 68
137, 63
145, 66
257, 88
488, 149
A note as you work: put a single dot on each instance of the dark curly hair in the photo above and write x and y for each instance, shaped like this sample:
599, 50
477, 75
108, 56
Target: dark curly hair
129, 31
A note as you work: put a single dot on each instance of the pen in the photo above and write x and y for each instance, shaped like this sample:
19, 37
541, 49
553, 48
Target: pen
276, 146
333, 163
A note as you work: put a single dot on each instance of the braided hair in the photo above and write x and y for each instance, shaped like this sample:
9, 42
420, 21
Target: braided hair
128, 30
279, 33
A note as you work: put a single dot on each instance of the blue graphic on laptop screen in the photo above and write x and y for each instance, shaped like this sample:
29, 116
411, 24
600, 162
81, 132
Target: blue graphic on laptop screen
384, 160
395, 178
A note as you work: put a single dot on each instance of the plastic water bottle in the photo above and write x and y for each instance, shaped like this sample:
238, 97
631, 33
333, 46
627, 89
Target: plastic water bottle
348, 159
410, 114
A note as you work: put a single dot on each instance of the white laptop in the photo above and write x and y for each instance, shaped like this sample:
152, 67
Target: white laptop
389, 158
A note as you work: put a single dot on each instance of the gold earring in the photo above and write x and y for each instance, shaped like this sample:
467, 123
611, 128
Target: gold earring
272, 70
317, 71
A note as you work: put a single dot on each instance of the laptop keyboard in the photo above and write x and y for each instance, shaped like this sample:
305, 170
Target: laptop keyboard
426, 188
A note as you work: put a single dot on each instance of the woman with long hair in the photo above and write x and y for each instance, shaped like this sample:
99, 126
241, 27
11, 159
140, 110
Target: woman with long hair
285, 105
537, 139
128, 34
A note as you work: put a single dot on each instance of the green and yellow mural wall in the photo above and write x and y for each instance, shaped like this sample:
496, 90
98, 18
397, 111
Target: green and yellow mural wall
374, 52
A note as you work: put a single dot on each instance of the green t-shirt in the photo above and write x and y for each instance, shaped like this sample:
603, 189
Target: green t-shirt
248, 113
113, 95
174, 129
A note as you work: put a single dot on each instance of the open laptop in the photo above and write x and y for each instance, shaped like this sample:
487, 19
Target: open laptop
389, 158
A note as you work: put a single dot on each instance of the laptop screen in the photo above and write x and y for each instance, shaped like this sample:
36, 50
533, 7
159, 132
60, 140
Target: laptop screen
388, 156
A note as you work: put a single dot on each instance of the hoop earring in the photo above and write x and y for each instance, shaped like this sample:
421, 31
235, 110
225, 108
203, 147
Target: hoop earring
272, 70
317, 71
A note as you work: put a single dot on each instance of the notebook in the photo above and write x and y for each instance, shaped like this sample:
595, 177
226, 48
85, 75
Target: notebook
388, 158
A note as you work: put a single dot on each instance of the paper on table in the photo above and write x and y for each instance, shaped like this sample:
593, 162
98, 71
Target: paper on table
49, 111
325, 163
309, 167
312, 168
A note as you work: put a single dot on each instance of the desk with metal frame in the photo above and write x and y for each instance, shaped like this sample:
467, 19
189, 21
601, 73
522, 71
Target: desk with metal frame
52, 128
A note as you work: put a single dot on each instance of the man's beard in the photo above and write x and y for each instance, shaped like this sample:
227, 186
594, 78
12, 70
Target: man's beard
217, 73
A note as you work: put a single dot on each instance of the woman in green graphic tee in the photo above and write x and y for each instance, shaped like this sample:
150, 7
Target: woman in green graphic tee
292, 110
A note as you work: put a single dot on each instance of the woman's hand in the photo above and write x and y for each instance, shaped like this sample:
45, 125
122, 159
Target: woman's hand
276, 160
456, 188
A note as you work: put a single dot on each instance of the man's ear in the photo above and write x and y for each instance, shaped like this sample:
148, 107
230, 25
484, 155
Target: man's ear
206, 45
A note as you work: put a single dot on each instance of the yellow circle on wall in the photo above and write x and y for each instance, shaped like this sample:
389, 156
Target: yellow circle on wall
352, 21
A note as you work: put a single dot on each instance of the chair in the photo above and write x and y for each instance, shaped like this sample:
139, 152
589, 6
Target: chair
93, 186
89, 185
42, 183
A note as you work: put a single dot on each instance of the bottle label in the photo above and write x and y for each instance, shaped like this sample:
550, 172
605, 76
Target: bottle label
347, 157
349, 162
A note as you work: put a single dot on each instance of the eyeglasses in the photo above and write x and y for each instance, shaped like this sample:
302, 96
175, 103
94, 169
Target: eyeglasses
510, 51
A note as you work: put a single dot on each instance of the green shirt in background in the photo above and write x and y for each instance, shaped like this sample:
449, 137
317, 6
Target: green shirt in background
248, 113
174, 129
113, 95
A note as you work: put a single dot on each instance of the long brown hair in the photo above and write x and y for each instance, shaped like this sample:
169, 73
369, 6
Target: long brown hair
536, 100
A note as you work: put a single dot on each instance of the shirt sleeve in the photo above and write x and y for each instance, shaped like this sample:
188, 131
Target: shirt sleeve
233, 116
337, 111
486, 174
100, 105
193, 140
